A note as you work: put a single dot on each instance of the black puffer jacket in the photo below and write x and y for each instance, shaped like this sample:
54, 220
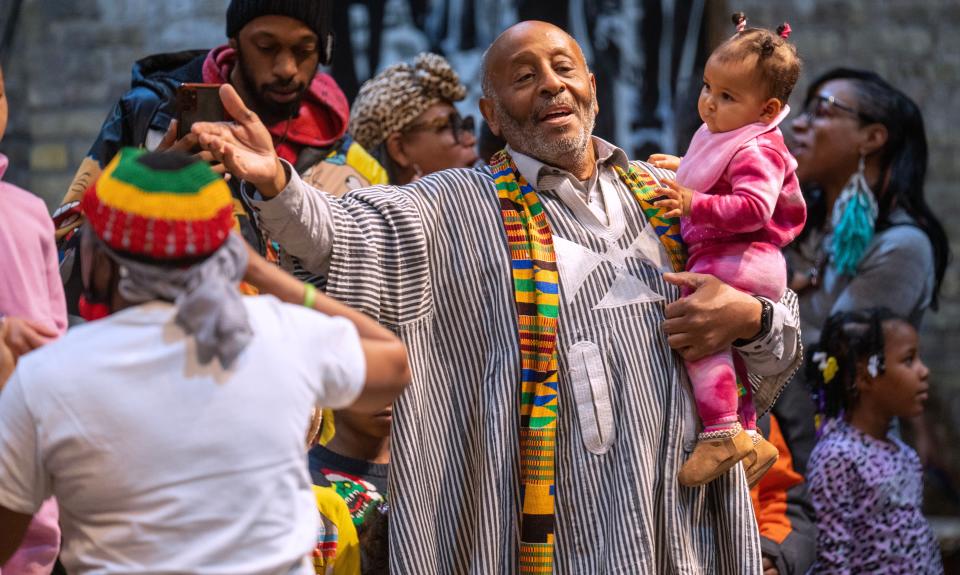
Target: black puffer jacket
149, 104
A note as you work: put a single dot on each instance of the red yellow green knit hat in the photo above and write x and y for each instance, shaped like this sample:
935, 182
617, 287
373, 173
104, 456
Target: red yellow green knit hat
162, 206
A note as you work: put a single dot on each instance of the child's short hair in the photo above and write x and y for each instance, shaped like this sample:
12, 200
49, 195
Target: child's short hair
848, 339
777, 59
373, 534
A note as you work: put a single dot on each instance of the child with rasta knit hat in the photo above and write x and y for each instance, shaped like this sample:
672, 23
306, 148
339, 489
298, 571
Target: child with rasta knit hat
866, 485
739, 202
187, 416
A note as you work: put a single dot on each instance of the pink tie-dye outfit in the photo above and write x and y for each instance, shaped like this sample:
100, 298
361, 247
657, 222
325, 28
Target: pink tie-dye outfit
746, 206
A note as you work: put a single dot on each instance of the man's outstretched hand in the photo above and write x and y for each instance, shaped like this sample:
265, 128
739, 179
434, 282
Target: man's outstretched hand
711, 318
244, 146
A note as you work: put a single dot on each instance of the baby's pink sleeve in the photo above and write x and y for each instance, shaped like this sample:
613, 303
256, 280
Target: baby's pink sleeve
756, 176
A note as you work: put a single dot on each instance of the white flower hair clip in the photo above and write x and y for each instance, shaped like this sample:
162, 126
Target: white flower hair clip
873, 365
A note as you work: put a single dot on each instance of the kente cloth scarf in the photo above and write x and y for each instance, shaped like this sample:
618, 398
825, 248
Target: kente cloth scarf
537, 294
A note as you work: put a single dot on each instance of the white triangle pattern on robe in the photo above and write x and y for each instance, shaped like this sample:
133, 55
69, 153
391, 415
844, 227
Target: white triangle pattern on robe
575, 263
648, 247
626, 290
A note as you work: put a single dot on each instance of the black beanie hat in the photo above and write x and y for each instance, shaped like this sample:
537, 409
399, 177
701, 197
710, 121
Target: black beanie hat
314, 13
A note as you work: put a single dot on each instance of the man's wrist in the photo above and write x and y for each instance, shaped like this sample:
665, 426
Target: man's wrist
279, 182
760, 324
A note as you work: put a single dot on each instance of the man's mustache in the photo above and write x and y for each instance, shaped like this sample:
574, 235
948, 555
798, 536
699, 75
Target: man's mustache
557, 100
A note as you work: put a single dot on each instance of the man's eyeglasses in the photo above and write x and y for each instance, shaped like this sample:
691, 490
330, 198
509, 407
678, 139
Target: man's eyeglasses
459, 125
827, 106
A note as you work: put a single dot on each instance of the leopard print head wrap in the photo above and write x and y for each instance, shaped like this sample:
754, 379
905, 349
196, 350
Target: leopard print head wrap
392, 99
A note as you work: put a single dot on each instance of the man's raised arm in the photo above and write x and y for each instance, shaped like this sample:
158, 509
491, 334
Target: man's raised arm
373, 245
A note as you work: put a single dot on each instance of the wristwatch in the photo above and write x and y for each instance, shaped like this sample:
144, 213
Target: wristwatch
766, 322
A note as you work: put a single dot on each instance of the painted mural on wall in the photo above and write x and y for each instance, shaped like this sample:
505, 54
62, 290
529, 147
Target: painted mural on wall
646, 54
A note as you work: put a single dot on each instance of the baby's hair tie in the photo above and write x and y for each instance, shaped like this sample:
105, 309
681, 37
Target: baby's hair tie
783, 30
740, 20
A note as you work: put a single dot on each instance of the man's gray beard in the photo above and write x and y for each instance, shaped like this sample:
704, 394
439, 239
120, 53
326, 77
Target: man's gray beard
563, 152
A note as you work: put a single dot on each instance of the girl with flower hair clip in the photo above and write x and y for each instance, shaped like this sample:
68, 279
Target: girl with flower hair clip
865, 484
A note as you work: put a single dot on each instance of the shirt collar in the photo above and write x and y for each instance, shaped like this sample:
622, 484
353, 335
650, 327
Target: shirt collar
533, 169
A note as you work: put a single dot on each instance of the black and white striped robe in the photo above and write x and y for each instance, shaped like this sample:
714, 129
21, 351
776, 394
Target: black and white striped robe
429, 260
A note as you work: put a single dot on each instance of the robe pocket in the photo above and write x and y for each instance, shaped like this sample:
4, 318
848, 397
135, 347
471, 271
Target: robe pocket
591, 392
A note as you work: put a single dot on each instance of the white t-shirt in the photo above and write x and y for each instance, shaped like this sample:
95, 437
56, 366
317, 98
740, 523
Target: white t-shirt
162, 465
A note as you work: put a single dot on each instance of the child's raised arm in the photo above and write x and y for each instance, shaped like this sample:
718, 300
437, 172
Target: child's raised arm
387, 368
665, 161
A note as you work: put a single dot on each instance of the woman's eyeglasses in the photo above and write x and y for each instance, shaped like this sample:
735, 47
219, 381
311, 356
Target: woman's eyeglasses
459, 125
827, 106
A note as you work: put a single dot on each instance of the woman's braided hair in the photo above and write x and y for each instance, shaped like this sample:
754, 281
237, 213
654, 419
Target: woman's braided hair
777, 61
850, 341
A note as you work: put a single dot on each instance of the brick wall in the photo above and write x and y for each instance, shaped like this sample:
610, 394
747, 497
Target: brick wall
69, 63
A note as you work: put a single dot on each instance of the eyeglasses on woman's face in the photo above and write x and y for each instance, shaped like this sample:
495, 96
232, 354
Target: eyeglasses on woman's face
460, 127
821, 106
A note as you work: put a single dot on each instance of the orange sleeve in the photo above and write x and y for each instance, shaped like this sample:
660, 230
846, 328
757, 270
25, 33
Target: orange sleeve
770, 495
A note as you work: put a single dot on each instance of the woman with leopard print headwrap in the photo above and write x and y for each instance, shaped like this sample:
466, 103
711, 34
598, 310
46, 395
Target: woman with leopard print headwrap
405, 117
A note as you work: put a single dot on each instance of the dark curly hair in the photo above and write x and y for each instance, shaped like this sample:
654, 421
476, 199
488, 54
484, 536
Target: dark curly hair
776, 59
374, 536
848, 341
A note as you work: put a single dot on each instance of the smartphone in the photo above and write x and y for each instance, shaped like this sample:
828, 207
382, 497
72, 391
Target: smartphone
197, 103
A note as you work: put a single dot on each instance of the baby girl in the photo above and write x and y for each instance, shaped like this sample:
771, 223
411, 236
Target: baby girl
739, 203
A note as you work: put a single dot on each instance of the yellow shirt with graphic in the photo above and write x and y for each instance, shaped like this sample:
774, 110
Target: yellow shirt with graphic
338, 548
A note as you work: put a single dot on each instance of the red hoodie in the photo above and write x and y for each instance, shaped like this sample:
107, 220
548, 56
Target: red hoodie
324, 110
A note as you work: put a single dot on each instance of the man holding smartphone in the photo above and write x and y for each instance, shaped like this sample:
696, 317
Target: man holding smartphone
272, 59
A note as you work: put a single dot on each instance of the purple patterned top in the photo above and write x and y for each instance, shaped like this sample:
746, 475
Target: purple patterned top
867, 494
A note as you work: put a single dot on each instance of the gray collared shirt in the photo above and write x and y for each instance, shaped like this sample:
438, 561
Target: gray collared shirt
594, 194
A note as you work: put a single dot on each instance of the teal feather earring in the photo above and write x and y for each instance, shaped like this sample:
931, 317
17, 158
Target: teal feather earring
854, 217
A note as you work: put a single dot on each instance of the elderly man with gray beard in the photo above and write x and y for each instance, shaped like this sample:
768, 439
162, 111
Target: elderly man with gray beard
549, 412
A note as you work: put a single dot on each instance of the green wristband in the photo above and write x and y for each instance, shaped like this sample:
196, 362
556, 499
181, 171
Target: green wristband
309, 295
